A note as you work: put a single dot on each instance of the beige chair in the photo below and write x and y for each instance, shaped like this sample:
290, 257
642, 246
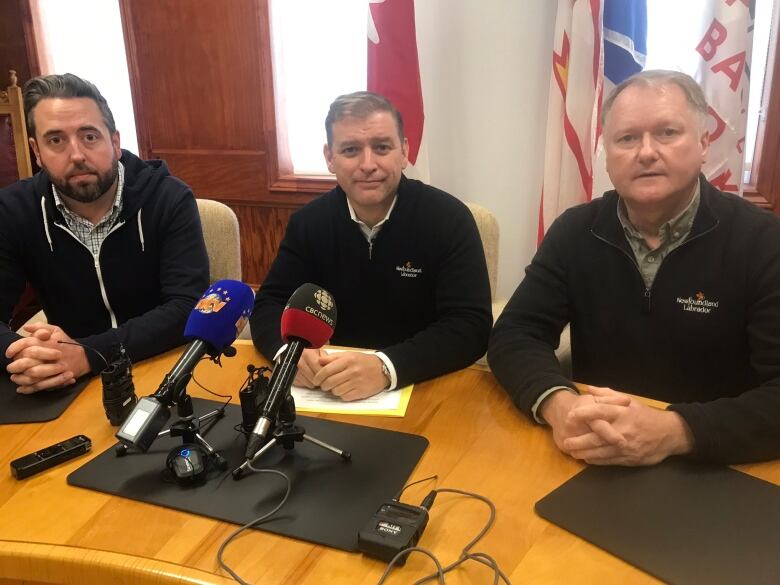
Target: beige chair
488, 233
223, 244
487, 225
223, 239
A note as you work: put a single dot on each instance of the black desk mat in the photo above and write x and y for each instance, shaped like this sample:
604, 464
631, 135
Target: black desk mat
331, 499
39, 407
678, 521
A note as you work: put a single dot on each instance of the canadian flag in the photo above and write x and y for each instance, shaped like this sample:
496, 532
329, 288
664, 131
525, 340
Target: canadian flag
394, 70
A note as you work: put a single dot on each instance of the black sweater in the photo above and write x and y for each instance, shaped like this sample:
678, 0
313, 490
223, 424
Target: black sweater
420, 294
705, 337
153, 265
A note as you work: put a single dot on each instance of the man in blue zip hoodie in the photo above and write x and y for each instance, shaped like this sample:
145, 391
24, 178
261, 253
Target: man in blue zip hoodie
111, 245
672, 289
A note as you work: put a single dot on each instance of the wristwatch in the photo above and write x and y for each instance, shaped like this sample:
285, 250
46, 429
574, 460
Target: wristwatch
386, 372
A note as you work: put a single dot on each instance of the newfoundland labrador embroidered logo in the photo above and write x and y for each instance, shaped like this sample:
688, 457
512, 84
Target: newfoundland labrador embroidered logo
697, 303
409, 271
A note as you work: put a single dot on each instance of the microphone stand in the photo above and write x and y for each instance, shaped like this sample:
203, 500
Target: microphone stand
188, 425
286, 433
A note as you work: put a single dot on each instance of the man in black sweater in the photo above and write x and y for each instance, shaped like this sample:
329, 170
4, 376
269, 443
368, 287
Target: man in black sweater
403, 260
112, 245
672, 289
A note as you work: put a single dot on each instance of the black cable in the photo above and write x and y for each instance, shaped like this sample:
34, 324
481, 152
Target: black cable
258, 520
228, 396
408, 485
102, 357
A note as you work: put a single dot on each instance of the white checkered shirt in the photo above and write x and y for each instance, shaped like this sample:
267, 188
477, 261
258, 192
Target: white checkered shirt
92, 235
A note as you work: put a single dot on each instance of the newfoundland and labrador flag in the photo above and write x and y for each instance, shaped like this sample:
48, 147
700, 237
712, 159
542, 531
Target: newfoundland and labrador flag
594, 39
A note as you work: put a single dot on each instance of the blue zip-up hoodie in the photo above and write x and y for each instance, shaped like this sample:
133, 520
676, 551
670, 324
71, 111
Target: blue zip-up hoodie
139, 291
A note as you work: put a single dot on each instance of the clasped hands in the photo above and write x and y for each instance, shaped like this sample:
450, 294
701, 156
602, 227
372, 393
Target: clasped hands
41, 362
350, 375
606, 427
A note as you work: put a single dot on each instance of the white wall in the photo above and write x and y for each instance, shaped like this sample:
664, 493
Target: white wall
485, 68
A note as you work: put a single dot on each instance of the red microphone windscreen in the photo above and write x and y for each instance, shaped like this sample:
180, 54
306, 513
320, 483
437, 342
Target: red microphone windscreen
310, 315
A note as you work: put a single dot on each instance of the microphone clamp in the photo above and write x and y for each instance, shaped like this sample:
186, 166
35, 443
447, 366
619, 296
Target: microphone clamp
253, 394
119, 396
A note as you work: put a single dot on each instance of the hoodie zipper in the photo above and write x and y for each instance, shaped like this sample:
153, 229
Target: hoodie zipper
98, 270
632, 259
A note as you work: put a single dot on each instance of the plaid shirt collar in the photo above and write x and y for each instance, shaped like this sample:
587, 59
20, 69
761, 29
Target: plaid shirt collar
92, 235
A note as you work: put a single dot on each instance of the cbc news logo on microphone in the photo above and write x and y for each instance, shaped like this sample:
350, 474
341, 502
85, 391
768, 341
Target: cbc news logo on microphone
324, 300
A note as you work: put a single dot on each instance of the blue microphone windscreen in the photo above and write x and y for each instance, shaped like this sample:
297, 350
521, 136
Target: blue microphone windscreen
220, 314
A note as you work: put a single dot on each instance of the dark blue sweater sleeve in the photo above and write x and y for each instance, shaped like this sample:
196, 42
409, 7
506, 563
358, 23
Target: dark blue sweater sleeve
12, 279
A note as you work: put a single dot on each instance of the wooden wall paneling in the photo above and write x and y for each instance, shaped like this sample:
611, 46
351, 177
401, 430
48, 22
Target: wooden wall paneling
18, 52
768, 182
221, 175
262, 229
765, 191
196, 72
17, 41
198, 68
200, 73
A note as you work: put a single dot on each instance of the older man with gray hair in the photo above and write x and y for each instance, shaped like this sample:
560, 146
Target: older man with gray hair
672, 290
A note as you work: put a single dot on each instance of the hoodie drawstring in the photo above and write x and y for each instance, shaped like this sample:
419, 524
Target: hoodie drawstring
141, 231
46, 223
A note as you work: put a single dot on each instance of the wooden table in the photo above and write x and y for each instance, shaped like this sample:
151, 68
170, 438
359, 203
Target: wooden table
51, 532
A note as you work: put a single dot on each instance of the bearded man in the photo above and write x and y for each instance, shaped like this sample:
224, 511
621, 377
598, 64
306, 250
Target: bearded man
111, 245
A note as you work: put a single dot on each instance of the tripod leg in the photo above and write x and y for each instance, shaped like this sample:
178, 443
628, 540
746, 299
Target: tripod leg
219, 413
346, 455
220, 461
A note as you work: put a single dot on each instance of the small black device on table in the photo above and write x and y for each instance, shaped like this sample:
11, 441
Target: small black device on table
50, 456
393, 528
